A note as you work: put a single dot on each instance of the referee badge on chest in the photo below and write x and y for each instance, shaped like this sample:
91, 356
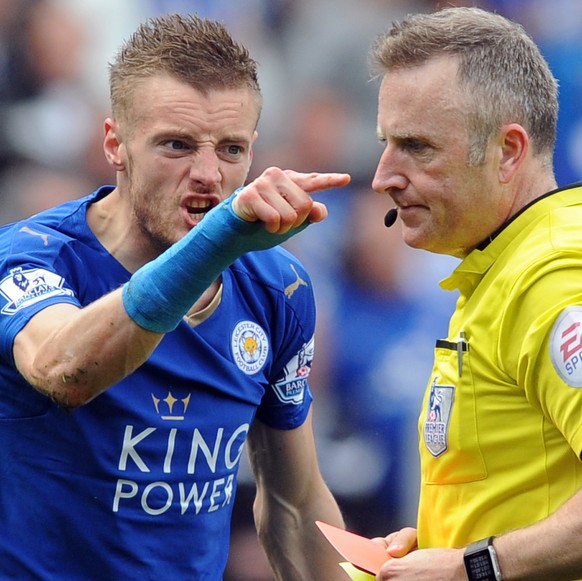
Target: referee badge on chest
438, 415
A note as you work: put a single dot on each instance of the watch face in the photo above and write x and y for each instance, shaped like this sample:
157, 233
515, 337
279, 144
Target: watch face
481, 569
481, 563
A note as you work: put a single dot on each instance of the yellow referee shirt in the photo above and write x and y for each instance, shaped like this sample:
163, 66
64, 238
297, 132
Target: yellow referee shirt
501, 424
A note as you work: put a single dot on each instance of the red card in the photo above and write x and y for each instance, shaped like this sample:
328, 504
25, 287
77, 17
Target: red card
363, 553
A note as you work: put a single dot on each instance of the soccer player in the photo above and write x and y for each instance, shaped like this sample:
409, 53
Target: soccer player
467, 117
144, 341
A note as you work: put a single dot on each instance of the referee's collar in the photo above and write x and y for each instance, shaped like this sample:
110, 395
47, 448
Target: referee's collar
472, 268
483, 244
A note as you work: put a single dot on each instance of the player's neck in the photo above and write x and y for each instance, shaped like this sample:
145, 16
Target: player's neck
111, 223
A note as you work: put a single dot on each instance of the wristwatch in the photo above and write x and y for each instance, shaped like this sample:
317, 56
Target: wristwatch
481, 561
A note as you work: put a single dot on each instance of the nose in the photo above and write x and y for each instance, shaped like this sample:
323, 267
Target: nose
205, 167
389, 174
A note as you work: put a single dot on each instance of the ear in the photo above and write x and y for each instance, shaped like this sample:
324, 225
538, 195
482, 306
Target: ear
514, 143
112, 145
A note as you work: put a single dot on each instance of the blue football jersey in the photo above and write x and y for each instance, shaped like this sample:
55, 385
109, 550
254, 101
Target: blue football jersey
140, 482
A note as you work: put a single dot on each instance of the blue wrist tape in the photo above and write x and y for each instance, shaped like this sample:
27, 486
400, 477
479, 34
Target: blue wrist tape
161, 292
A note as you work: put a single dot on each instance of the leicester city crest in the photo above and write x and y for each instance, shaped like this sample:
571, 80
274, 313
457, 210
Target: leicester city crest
438, 415
250, 347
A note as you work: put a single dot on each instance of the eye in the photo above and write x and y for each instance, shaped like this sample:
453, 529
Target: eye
234, 149
232, 152
176, 145
415, 145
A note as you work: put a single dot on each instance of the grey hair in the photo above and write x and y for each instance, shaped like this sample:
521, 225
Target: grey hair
500, 68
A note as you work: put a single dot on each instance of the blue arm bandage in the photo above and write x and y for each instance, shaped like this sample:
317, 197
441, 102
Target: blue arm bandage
160, 293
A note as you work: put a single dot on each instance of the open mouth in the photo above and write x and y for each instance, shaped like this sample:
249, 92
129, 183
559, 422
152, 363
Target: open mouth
198, 209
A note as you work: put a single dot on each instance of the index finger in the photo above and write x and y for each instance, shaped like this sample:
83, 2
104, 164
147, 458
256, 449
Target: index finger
315, 181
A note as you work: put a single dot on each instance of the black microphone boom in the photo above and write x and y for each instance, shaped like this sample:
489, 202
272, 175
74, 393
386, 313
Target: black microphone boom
390, 217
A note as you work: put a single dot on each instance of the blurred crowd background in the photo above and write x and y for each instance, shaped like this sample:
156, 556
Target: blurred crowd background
380, 308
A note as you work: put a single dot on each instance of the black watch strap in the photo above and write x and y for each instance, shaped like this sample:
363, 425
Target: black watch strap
481, 562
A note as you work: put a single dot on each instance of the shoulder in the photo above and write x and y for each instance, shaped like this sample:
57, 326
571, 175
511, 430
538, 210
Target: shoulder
59, 222
37, 248
49, 229
275, 268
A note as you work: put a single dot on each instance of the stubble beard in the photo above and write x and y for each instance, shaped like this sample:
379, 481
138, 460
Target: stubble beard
156, 231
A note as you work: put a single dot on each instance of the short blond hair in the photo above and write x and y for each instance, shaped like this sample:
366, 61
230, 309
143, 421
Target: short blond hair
193, 50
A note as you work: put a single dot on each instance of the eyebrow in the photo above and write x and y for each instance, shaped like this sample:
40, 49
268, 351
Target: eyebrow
401, 137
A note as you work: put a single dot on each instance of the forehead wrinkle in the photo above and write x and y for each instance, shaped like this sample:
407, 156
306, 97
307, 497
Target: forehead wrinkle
194, 122
174, 99
428, 115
